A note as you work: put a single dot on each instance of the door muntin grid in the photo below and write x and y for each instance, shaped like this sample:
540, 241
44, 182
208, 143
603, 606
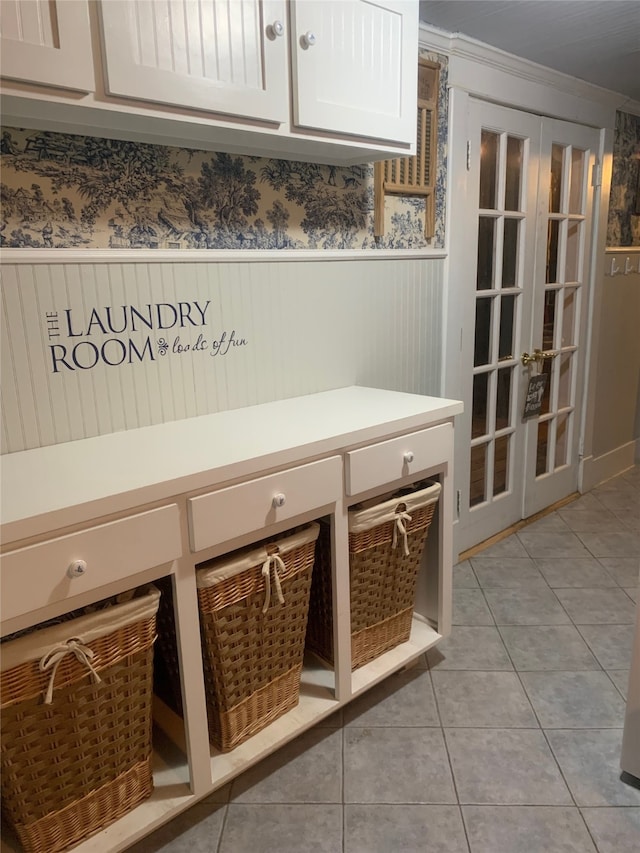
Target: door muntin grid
498, 313
563, 286
496, 495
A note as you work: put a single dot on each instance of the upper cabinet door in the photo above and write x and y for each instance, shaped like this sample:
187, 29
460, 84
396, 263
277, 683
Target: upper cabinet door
222, 56
355, 67
48, 42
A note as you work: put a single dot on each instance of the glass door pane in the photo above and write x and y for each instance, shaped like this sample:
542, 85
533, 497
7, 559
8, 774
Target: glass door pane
513, 178
510, 254
488, 169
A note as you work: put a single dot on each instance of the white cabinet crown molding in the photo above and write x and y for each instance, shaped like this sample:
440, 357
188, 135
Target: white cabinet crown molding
496, 75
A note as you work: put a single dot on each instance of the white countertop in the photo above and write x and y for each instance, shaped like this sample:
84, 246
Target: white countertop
64, 484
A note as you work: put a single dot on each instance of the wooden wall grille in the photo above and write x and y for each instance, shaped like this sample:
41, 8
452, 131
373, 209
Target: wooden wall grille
414, 176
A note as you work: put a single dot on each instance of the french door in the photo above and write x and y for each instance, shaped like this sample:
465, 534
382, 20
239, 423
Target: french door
529, 204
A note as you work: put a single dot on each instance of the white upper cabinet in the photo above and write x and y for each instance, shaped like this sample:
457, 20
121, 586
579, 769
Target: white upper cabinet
222, 56
47, 42
355, 67
318, 80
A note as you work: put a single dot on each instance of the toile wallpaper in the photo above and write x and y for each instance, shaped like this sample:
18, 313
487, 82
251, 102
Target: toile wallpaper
624, 201
66, 191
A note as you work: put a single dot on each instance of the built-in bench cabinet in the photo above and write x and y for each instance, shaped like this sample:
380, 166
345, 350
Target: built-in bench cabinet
155, 502
263, 77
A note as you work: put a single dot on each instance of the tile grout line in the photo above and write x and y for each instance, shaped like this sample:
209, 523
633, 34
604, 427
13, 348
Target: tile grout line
224, 825
446, 747
343, 727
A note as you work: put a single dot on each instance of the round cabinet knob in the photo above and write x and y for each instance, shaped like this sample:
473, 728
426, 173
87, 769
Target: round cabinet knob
308, 39
408, 456
277, 28
76, 569
278, 500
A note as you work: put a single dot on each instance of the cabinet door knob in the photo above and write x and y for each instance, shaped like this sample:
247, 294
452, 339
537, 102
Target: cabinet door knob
278, 500
408, 456
76, 569
308, 39
277, 28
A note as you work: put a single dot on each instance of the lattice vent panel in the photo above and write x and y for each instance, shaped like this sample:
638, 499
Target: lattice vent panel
414, 176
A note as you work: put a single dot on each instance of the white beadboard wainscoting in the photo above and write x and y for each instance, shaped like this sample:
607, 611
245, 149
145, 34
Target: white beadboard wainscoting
307, 325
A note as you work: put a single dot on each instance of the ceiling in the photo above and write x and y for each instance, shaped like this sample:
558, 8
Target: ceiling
593, 40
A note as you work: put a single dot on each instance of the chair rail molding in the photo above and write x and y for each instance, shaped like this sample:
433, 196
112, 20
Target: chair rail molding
208, 256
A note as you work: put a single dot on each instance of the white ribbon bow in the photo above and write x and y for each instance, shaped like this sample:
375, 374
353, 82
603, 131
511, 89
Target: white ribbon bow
51, 660
277, 563
401, 516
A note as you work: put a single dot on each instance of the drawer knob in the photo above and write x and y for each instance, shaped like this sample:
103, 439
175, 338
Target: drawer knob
278, 500
277, 28
408, 456
308, 39
76, 569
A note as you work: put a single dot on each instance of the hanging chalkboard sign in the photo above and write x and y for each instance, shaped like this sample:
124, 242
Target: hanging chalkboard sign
535, 393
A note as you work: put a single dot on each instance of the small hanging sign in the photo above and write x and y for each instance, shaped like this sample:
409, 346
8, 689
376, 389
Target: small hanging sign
535, 392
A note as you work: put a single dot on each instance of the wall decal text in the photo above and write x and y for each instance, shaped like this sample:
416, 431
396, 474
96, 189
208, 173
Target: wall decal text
126, 334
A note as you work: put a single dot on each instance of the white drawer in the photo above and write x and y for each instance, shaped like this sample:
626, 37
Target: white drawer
35, 576
236, 510
396, 458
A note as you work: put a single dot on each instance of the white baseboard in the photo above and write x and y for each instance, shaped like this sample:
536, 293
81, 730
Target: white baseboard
595, 470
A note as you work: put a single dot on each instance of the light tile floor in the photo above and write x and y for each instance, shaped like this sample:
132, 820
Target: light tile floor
505, 738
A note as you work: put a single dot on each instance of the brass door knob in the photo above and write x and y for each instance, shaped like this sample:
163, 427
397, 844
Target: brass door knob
538, 356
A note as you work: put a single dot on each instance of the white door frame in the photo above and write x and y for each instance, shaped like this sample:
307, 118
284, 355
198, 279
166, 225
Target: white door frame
494, 76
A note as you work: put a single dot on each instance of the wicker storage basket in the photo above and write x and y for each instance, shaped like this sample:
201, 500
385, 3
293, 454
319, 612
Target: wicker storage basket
252, 636
76, 723
385, 547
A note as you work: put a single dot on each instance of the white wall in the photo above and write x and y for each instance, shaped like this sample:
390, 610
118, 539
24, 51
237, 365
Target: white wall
310, 325
613, 442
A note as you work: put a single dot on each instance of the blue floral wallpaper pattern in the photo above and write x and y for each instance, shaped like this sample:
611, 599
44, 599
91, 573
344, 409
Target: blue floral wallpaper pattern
66, 191
623, 227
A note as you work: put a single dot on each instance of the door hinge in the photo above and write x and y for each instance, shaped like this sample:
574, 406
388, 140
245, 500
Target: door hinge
581, 448
596, 175
458, 502
468, 155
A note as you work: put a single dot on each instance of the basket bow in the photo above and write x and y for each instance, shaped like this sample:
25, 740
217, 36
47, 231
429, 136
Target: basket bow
51, 660
276, 561
401, 517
